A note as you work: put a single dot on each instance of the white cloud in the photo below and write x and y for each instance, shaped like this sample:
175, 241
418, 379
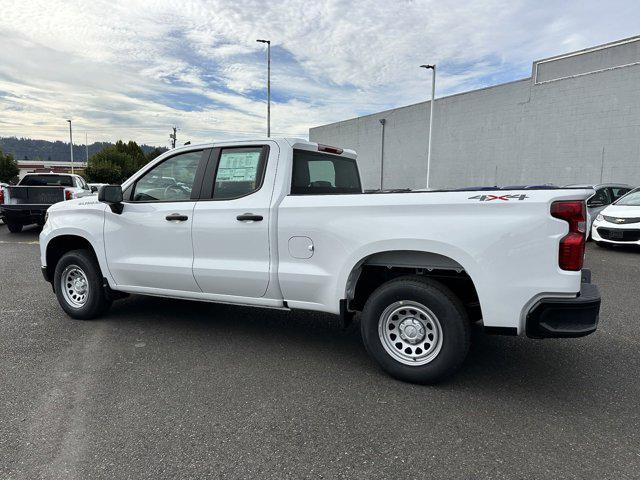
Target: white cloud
132, 69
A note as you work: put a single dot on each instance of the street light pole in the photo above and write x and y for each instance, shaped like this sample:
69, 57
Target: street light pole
382, 122
86, 146
71, 145
433, 97
268, 42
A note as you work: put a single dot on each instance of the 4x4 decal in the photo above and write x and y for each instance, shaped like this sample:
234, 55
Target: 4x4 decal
505, 198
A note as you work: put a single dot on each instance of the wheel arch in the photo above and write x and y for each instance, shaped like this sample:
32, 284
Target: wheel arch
380, 266
61, 244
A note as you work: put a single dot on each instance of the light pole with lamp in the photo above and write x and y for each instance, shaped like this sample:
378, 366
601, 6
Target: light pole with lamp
268, 42
433, 97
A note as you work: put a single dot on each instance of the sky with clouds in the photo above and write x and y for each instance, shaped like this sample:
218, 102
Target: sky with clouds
132, 69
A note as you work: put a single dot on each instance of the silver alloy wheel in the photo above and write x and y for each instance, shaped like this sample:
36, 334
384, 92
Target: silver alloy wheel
74, 285
410, 333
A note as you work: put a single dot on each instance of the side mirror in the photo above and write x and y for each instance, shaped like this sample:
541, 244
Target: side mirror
112, 196
94, 189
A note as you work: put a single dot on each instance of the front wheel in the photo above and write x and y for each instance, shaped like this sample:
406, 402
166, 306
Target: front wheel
78, 285
416, 329
14, 227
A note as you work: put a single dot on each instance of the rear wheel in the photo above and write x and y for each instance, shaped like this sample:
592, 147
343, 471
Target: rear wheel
416, 329
14, 227
78, 285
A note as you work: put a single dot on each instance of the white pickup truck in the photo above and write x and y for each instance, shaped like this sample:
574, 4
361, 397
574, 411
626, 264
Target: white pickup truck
283, 223
28, 201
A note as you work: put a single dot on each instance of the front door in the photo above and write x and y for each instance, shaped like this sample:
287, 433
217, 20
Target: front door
149, 244
231, 222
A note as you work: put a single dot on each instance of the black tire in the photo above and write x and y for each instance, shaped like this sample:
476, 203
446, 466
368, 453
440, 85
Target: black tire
14, 227
449, 312
96, 302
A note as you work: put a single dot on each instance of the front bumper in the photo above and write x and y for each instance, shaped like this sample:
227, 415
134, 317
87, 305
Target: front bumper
566, 317
605, 232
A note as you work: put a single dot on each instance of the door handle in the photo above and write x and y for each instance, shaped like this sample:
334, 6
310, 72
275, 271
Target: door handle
176, 217
245, 217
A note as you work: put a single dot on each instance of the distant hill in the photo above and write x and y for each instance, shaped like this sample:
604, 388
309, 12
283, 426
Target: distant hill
30, 149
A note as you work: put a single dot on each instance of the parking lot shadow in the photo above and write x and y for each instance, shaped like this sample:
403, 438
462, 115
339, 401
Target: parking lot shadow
521, 366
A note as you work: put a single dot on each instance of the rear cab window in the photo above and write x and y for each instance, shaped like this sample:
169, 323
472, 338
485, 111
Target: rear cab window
47, 181
316, 173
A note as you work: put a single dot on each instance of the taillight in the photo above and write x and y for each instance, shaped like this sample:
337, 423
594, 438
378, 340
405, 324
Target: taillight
68, 195
571, 251
329, 149
1, 195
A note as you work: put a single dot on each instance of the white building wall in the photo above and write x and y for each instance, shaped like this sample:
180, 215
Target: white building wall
578, 122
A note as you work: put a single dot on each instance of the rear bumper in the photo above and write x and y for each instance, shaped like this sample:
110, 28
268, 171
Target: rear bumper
24, 214
566, 317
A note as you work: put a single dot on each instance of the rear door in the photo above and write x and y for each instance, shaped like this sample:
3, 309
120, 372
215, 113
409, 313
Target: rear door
149, 244
231, 222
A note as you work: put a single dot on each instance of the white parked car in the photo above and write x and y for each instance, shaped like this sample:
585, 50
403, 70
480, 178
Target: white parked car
284, 223
604, 194
619, 223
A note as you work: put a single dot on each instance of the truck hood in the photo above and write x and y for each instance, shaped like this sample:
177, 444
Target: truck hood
622, 211
76, 204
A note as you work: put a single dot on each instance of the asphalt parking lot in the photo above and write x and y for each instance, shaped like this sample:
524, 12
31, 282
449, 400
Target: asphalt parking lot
165, 388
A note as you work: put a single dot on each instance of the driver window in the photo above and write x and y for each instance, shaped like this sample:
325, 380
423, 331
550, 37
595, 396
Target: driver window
170, 181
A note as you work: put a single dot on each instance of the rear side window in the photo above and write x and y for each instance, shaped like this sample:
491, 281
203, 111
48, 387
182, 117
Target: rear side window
322, 174
47, 181
239, 172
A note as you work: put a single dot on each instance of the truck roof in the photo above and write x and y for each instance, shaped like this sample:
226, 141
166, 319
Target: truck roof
293, 142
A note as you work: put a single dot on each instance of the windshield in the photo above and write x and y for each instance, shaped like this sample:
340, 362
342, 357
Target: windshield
631, 199
47, 181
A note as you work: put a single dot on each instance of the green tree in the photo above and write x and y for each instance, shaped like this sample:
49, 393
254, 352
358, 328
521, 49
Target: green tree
115, 163
156, 152
8, 168
110, 165
134, 151
105, 172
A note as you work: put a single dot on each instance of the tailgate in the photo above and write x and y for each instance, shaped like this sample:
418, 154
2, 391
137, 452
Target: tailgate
35, 195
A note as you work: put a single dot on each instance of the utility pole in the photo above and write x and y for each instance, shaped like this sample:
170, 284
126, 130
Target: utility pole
382, 122
173, 137
71, 145
86, 147
433, 97
268, 42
